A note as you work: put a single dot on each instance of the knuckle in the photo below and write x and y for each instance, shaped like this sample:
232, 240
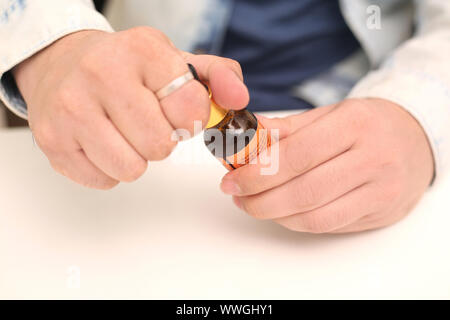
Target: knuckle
66, 103
363, 111
100, 182
58, 166
162, 150
108, 184
252, 208
306, 196
288, 123
138, 30
97, 181
296, 163
45, 137
128, 169
166, 149
313, 223
156, 33
90, 63
133, 35
64, 96
143, 39
135, 170
145, 31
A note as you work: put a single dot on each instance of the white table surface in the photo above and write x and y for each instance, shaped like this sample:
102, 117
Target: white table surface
173, 234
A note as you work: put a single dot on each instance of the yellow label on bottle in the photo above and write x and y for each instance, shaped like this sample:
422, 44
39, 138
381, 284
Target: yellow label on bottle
216, 115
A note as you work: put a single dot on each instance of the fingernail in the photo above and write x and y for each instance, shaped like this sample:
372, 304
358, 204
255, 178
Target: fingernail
228, 186
237, 202
239, 76
261, 117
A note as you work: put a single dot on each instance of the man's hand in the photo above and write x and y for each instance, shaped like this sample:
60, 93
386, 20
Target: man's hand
92, 107
358, 165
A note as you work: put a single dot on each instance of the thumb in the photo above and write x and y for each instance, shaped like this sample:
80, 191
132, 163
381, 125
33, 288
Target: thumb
224, 78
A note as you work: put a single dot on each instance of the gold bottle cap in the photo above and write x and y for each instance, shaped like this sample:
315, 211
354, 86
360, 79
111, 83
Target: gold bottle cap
217, 113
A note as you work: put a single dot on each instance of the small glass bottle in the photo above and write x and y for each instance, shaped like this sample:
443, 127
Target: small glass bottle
234, 137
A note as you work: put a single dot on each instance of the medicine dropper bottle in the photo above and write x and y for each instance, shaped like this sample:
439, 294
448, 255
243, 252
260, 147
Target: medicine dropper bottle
234, 137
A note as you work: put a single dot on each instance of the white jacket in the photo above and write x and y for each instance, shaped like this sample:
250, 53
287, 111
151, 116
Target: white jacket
410, 69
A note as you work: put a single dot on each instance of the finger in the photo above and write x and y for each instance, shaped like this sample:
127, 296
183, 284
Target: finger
106, 148
288, 125
187, 104
374, 221
77, 167
142, 123
188, 107
338, 214
224, 77
236, 180
312, 190
306, 148
364, 224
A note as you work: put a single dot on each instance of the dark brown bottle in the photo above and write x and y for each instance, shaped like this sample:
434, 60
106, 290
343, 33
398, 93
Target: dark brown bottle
236, 138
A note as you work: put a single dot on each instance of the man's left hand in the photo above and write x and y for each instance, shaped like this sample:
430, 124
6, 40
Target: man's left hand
358, 165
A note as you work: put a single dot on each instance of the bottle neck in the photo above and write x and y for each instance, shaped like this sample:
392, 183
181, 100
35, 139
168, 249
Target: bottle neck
217, 114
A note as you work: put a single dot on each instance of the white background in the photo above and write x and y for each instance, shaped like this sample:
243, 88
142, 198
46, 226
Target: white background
173, 234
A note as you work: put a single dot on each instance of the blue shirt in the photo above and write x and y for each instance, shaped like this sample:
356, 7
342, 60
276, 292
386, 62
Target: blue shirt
280, 43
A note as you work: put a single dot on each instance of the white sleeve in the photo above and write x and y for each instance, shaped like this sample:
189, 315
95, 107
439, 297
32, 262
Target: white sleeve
417, 77
28, 26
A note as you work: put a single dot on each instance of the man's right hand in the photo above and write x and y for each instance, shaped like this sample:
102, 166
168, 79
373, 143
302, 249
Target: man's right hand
92, 106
